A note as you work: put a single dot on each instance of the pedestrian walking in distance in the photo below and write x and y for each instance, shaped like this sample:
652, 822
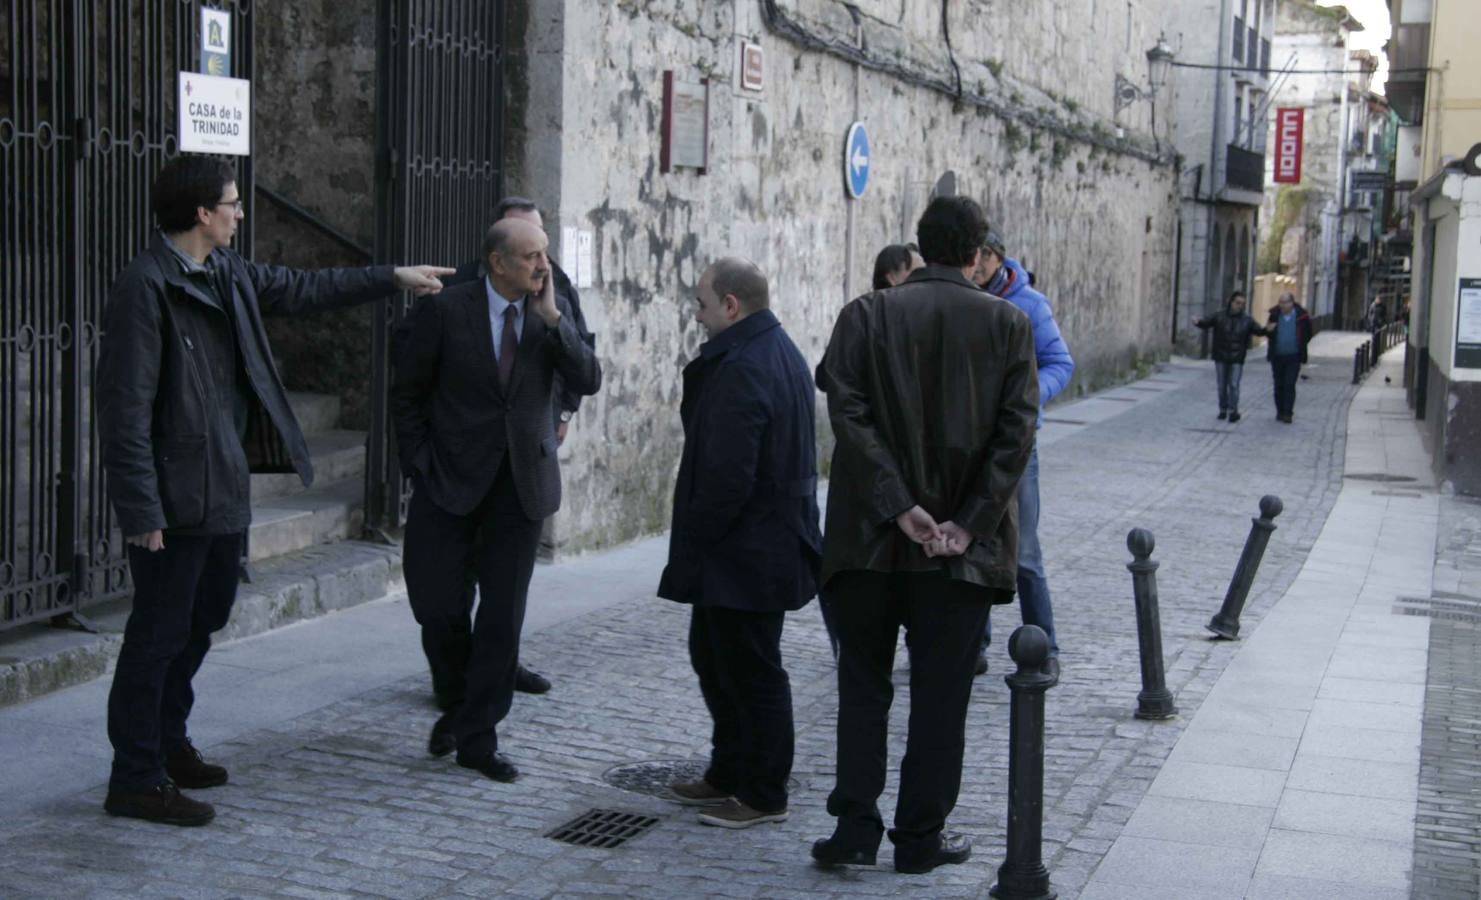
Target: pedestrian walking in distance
1232, 330
189, 404
745, 547
933, 395
1290, 331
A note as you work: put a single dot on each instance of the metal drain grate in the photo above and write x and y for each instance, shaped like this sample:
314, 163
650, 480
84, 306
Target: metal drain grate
1379, 476
603, 828
1065, 421
1442, 605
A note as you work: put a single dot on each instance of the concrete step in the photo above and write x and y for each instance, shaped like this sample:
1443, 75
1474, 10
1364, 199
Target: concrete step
337, 455
315, 412
330, 511
37, 659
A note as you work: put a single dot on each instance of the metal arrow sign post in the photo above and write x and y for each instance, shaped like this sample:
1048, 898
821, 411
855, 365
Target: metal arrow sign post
856, 160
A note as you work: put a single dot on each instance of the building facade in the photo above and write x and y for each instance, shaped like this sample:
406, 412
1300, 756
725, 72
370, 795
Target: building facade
1438, 97
1222, 106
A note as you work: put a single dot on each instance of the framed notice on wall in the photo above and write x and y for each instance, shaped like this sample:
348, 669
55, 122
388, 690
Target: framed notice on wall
1468, 324
686, 125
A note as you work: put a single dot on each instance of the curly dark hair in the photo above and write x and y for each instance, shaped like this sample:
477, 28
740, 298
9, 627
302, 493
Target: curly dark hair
185, 184
951, 231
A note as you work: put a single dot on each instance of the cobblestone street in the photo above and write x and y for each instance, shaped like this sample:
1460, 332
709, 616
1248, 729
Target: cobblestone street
344, 800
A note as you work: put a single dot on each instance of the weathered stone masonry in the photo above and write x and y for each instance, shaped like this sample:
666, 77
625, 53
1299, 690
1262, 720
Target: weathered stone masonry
1031, 135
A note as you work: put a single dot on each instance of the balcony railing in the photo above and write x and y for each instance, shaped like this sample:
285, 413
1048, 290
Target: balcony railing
1244, 169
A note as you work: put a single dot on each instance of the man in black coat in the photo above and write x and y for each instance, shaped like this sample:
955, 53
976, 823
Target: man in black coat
189, 404
744, 546
933, 395
471, 400
1233, 329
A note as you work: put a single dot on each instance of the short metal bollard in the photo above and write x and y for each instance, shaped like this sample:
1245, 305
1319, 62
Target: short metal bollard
1225, 623
1357, 366
1022, 876
1155, 700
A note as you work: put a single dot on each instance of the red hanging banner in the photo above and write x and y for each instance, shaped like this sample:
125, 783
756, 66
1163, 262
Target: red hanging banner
1289, 122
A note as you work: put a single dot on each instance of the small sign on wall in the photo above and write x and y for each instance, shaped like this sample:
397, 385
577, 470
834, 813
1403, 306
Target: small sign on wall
214, 114
752, 66
686, 124
215, 42
1468, 325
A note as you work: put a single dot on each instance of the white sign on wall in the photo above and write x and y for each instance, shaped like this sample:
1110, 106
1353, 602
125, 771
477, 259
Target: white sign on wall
214, 114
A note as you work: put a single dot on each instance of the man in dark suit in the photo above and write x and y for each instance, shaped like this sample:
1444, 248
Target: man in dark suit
933, 395
567, 403
745, 545
472, 400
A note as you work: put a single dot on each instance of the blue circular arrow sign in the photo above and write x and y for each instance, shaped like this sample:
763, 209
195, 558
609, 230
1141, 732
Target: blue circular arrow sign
856, 160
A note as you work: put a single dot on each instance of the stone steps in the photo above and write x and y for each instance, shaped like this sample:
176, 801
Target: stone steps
337, 455
38, 659
332, 511
315, 412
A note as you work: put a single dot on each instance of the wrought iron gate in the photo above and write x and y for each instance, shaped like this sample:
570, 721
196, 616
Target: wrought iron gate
87, 117
439, 173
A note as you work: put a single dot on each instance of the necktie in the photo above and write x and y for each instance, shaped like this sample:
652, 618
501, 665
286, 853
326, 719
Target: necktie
507, 344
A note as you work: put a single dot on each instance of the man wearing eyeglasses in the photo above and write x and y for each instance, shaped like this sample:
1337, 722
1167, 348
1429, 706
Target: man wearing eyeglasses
189, 405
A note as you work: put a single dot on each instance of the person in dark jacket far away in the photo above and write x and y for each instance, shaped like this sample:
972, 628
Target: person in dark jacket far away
189, 403
1002, 276
933, 394
894, 264
1233, 329
745, 547
1290, 331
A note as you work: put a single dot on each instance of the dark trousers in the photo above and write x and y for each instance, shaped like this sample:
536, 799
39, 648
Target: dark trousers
944, 620
1284, 370
1228, 375
501, 540
181, 594
738, 658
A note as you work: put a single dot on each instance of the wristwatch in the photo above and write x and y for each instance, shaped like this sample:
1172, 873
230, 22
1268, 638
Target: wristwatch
566, 416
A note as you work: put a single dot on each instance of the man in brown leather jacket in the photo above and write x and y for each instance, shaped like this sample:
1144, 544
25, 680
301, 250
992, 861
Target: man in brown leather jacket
933, 395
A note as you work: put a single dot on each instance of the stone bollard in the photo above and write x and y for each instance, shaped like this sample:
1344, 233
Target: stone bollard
1225, 624
1022, 875
1155, 700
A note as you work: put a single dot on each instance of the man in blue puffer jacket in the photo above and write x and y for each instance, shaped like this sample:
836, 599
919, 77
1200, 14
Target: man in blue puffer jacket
1003, 276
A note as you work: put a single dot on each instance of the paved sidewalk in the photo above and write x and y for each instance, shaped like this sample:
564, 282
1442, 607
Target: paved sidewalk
324, 724
1299, 775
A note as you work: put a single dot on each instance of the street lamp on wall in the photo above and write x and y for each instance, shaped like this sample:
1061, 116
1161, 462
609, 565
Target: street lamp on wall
1159, 62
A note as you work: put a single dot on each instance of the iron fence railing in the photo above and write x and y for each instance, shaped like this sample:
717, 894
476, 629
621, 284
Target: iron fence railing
439, 175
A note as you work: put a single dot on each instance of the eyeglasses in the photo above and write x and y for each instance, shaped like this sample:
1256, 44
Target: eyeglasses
234, 204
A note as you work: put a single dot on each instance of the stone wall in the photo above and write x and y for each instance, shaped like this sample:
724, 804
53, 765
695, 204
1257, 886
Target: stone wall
1032, 136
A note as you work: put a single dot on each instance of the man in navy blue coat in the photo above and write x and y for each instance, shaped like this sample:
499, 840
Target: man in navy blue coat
745, 546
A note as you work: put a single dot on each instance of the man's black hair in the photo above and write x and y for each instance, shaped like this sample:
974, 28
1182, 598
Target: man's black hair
514, 204
951, 231
185, 184
890, 259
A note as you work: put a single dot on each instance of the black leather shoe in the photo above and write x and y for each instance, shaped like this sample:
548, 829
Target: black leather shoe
954, 848
162, 803
981, 667
496, 766
527, 682
830, 852
187, 769
443, 741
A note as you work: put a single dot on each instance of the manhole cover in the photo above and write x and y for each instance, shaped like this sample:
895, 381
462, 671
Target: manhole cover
1378, 476
654, 776
603, 828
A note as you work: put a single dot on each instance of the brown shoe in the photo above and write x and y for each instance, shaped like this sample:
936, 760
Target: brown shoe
698, 793
735, 814
162, 803
186, 768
